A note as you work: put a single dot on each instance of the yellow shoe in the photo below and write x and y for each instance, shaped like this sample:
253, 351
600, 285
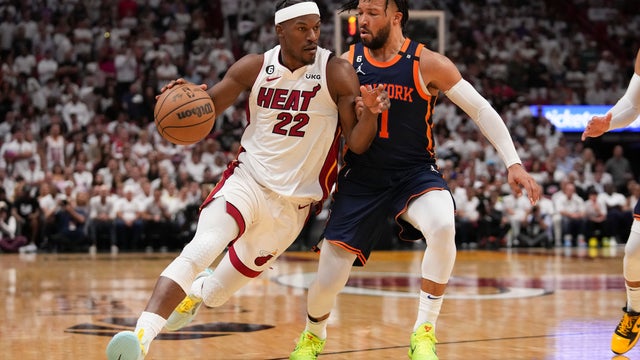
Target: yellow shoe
423, 343
308, 347
626, 334
184, 313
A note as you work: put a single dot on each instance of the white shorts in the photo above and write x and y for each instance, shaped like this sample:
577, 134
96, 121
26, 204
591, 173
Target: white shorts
268, 222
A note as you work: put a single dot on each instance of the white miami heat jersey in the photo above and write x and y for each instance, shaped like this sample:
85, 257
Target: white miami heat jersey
291, 142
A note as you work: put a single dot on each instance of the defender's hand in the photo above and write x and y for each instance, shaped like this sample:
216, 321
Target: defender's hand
597, 126
519, 178
376, 99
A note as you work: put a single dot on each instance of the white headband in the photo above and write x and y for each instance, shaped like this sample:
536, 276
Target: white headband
295, 10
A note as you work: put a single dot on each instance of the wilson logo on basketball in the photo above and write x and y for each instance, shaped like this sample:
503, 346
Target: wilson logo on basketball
197, 111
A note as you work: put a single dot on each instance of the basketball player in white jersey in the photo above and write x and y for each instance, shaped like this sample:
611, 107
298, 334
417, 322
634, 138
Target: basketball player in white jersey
623, 113
302, 99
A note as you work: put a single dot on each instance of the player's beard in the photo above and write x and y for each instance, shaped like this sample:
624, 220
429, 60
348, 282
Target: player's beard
378, 40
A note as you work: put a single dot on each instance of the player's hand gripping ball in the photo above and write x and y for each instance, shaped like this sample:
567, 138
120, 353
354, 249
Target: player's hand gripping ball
184, 114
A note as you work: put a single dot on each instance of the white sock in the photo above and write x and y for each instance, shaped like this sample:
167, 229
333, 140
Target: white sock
428, 310
318, 329
151, 324
196, 287
633, 298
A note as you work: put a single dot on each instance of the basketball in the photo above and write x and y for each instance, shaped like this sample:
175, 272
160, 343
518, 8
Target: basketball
184, 114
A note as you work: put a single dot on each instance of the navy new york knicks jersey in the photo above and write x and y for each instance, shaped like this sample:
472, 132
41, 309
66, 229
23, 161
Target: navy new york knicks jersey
404, 138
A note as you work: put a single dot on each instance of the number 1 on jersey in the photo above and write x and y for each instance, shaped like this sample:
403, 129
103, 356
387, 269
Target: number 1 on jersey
384, 125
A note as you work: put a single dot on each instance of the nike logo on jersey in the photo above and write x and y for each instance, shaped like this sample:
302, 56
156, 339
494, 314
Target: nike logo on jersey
273, 78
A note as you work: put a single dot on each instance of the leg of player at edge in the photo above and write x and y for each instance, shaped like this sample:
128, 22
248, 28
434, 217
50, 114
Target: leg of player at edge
425, 213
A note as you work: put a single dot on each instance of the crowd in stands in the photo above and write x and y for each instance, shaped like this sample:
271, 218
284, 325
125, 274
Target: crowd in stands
83, 168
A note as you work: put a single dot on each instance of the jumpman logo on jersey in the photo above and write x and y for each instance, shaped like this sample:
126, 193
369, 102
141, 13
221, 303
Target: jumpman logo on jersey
359, 70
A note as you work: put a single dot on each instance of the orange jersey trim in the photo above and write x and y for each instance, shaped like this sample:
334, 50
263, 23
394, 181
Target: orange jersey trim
346, 247
404, 209
383, 64
352, 51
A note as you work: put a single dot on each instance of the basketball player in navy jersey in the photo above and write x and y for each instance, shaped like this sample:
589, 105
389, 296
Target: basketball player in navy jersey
622, 114
302, 98
398, 175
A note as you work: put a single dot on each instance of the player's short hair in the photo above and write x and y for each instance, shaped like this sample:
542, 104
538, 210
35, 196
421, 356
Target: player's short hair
403, 7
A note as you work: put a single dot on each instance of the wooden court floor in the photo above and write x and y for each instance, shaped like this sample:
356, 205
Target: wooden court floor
533, 304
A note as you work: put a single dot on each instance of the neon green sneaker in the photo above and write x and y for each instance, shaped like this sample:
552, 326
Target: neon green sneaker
423, 343
308, 347
126, 345
184, 313
626, 334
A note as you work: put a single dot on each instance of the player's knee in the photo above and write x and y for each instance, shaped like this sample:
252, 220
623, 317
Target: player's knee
328, 283
182, 271
214, 292
443, 229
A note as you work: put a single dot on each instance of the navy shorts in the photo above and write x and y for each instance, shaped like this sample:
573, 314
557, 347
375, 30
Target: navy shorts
365, 199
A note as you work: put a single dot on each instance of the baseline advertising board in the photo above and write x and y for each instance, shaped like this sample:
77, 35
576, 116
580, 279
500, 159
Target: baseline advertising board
573, 118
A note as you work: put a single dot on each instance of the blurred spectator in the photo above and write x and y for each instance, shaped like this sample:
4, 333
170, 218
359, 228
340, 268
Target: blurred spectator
9, 241
534, 230
194, 166
467, 217
70, 224
619, 214
220, 56
25, 61
47, 67
516, 209
596, 216
571, 210
158, 226
17, 152
126, 66
34, 175
620, 168
101, 226
165, 71
26, 211
82, 177
48, 208
128, 222
493, 225
54, 146
76, 108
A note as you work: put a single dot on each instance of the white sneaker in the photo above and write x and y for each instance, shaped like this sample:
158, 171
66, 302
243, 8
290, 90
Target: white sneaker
114, 250
126, 345
93, 250
28, 249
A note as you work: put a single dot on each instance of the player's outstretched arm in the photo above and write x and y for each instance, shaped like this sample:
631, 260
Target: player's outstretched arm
440, 74
623, 113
